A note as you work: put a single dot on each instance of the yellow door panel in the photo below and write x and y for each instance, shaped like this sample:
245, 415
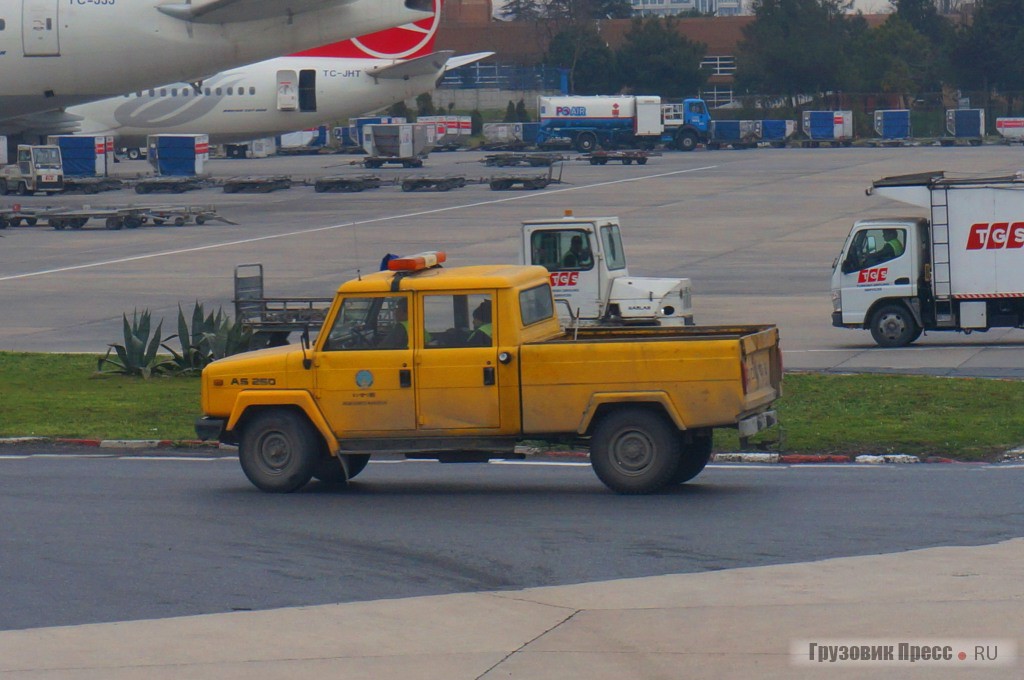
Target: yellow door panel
453, 388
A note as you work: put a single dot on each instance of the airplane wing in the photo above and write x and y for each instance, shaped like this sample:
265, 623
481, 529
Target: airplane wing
228, 11
455, 62
411, 68
46, 123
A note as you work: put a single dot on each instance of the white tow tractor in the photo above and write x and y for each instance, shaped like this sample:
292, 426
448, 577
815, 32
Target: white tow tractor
38, 168
589, 276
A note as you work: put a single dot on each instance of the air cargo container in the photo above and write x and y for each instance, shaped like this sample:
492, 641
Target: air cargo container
178, 155
776, 132
511, 134
405, 144
893, 124
85, 156
957, 267
739, 134
833, 127
1011, 130
452, 131
964, 125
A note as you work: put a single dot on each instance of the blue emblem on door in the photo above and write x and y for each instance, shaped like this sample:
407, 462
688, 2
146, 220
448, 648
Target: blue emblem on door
364, 379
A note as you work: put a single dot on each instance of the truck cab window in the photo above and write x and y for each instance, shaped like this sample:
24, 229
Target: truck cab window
535, 304
614, 256
370, 323
562, 250
872, 247
457, 321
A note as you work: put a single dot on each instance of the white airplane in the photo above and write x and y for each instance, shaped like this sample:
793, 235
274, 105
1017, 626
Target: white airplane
296, 92
56, 53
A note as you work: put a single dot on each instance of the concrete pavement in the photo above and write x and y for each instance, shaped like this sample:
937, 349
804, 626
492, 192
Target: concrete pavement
737, 623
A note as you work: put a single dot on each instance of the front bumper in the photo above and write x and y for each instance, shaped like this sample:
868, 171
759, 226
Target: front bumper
209, 428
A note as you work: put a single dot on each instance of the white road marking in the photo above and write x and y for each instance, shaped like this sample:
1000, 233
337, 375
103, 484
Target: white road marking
421, 213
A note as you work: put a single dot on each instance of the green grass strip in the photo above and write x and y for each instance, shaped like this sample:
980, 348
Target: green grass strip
60, 395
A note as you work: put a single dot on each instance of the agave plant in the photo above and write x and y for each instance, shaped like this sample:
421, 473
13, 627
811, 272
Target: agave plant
138, 354
211, 336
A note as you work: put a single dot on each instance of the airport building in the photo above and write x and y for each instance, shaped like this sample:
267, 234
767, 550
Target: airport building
662, 8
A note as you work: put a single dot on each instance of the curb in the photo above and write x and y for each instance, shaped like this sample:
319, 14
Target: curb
750, 458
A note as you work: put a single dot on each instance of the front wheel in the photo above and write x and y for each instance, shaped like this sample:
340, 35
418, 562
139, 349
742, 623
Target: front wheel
279, 451
635, 451
894, 326
686, 141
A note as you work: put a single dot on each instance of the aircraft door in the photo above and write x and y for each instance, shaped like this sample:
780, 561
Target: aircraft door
287, 91
307, 90
39, 28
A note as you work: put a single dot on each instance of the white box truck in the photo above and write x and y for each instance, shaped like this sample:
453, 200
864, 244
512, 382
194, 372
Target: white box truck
959, 268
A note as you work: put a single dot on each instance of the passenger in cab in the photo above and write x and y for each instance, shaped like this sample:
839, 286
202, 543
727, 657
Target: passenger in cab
482, 329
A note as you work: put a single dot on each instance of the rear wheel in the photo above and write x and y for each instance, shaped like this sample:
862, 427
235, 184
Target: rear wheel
894, 326
695, 452
279, 451
586, 142
635, 451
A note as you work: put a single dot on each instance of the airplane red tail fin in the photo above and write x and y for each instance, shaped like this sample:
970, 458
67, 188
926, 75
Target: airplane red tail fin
402, 42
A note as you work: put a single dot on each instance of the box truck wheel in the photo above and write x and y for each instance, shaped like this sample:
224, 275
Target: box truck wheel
635, 450
586, 142
894, 326
278, 450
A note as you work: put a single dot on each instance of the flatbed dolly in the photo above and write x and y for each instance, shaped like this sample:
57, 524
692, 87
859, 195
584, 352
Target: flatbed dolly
433, 183
346, 183
256, 185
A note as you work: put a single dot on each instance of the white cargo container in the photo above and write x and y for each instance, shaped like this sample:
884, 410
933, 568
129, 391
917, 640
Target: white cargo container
960, 268
451, 131
407, 144
1011, 129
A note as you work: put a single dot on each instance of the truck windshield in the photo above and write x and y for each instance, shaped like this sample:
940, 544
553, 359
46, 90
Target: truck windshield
46, 158
614, 256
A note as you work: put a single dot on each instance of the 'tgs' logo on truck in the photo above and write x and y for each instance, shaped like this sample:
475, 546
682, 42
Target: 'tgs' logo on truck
873, 275
997, 235
564, 279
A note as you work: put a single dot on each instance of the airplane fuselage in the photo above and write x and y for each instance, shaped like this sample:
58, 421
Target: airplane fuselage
262, 100
56, 53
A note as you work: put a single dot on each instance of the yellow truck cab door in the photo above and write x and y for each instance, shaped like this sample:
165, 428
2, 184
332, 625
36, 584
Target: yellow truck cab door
457, 363
364, 367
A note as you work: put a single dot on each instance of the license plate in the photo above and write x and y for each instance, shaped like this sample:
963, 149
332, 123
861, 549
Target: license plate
49, 178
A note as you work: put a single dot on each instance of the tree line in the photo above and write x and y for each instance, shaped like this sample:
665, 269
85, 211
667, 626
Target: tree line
793, 49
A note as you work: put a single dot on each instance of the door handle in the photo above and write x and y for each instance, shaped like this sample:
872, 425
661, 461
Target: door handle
488, 375
903, 281
404, 377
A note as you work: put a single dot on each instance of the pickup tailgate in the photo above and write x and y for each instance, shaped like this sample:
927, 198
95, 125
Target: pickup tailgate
762, 367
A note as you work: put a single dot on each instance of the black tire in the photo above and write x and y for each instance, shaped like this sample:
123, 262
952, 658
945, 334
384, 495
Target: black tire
114, 223
686, 140
134, 154
893, 325
641, 161
586, 142
23, 189
179, 221
635, 451
694, 454
329, 471
31, 221
595, 161
132, 222
200, 220
279, 450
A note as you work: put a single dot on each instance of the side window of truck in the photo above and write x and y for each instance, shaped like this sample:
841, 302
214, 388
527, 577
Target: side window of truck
872, 247
615, 258
370, 323
535, 304
457, 321
562, 250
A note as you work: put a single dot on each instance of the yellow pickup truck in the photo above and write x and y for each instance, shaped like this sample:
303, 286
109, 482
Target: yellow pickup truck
461, 363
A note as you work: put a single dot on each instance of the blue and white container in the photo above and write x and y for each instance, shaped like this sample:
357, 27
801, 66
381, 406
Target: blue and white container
828, 126
85, 156
893, 124
178, 155
965, 123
